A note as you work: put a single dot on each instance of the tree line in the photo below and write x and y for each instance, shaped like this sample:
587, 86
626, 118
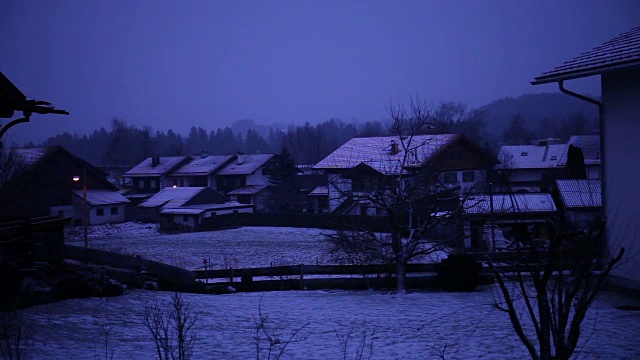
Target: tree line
125, 144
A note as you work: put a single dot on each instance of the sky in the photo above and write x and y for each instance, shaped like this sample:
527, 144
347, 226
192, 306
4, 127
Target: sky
173, 65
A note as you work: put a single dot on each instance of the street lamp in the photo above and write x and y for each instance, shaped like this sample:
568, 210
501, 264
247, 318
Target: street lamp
85, 217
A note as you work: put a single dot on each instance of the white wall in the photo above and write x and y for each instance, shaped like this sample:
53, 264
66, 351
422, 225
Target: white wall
336, 185
94, 218
621, 161
257, 178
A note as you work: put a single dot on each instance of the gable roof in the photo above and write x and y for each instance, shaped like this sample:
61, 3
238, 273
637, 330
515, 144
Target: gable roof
171, 197
510, 204
375, 152
165, 166
581, 193
245, 164
248, 190
202, 165
619, 52
590, 146
531, 156
102, 197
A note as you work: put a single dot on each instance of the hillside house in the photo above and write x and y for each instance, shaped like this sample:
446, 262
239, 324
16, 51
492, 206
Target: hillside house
617, 62
366, 165
150, 176
45, 186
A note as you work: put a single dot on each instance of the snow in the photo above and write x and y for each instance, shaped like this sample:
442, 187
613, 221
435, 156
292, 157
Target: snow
416, 325
410, 326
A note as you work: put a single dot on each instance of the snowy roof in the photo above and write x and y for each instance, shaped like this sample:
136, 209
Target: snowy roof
202, 165
320, 191
619, 52
580, 193
375, 152
509, 203
199, 209
171, 197
531, 156
245, 164
590, 146
102, 197
247, 190
166, 164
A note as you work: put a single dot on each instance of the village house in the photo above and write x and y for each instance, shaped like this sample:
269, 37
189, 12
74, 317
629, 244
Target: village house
361, 165
199, 171
45, 185
617, 62
580, 201
590, 147
150, 176
493, 222
525, 168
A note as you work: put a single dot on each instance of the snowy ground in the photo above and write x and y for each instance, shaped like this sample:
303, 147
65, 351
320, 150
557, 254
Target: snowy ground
412, 326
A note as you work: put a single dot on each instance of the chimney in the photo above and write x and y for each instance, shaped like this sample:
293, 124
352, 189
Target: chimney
394, 147
203, 154
155, 160
241, 158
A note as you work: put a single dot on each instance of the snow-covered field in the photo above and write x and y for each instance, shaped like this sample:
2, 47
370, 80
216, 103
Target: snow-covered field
412, 326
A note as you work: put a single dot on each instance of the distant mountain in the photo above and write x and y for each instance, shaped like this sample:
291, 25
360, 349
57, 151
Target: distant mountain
534, 108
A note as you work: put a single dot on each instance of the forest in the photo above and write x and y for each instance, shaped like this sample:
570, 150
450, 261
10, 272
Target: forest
504, 122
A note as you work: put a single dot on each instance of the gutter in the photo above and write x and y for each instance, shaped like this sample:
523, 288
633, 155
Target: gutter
603, 190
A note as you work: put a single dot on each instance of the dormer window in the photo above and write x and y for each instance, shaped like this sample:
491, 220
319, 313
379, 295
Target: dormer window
554, 157
524, 153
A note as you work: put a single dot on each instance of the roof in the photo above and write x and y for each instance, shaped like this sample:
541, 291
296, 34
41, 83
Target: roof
510, 203
171, 197
581, 193
619, 52
531, 156
199, 209
245, 164
247, 190
32, 156
102, 197
320, 191
202, 165
590, 146
375, 152
166, 165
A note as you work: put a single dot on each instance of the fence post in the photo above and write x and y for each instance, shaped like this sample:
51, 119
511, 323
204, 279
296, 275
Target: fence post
301, 276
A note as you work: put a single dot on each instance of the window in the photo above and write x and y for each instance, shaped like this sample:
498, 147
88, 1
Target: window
100, 212
153, 184
185, 218
450, 177
114, 211
61, 212
468, 176
141, 183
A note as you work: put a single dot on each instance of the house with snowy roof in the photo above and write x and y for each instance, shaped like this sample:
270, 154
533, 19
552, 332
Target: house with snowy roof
186, 207
617, 62
44, 185
199, 171
524, 168
362, 165
590, 147
150, 175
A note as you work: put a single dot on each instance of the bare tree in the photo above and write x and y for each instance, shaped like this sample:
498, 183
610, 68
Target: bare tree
16, 335
172, 334
363, 347
551, 291
407, 188
276, 343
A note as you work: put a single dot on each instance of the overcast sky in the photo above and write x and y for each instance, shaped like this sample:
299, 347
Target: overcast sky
177, 64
